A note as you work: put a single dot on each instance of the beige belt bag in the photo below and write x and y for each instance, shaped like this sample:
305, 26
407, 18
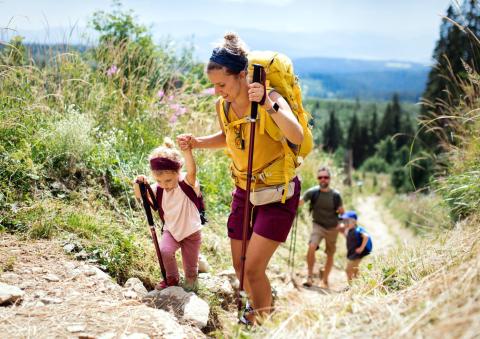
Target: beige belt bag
271, 194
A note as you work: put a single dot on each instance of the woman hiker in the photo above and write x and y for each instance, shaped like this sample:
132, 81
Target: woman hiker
271, 222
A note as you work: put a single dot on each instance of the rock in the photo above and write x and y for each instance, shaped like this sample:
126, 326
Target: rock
203, 266
10, 276
186, 306
219, 285
129, 294
135, 285
51, 277
135, 336
48, 300
196, 310
69, 247
107, 335
10, 294
82, 255
76, 328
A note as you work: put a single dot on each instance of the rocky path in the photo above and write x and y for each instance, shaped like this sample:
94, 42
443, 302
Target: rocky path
60, 297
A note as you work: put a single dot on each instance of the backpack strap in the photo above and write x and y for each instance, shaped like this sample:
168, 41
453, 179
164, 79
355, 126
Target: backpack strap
159, 204
197, 200
336, 200
314, 198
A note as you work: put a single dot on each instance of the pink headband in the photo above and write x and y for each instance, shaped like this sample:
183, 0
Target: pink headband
157, 164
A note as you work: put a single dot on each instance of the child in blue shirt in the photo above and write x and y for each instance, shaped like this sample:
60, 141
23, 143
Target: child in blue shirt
359, 243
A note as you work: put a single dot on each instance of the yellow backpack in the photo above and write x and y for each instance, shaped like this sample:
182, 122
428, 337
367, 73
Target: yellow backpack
280, 76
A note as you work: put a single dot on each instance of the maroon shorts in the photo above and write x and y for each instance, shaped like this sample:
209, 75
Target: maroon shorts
272, 221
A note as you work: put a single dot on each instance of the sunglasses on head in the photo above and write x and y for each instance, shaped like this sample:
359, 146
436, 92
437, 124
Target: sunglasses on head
323, 177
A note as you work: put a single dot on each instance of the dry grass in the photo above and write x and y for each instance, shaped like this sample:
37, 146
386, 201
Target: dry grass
440, 297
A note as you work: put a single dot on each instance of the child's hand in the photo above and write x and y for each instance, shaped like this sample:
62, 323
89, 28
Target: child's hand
141, 178
359, 250
185, 141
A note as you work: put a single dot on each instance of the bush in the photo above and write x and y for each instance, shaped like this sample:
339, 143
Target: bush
375, 164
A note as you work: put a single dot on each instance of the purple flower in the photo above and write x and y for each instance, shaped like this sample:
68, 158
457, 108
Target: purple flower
173, 119
160, 94
112, 70
171, 97
181, 111
208, 91
175, 107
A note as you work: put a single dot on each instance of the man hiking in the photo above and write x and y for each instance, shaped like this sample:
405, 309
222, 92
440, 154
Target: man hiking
325, 206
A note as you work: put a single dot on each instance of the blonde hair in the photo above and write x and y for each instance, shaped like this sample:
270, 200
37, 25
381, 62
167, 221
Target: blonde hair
167, 150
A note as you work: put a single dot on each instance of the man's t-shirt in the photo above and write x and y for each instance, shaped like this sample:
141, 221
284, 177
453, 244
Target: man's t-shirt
323, 211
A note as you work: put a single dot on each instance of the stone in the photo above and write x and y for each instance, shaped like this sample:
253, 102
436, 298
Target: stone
10, 294
196, 311
69, 247
186, 306
203, 266
107, 335
135, 285
135, 336
51, 277
76, 328
48, 300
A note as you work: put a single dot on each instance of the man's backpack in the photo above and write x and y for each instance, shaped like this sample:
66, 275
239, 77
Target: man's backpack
316, 194
189, 192
281, 77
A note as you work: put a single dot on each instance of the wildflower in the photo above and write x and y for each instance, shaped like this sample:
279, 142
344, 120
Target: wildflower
112, 70
208, 91
171, 97
160, 94
173, 119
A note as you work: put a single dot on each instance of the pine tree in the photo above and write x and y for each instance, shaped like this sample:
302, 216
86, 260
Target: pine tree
454, 47
373, 134
332, 133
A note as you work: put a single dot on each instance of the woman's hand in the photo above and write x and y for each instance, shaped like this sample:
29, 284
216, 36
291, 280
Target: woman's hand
186, 142
256, 91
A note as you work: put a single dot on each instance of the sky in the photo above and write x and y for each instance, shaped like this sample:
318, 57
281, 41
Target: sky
403, 30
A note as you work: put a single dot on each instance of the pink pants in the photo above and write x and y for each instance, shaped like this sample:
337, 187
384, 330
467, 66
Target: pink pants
190, 247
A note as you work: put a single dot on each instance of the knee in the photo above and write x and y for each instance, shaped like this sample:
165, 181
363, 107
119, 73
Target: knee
253, 274
167, 252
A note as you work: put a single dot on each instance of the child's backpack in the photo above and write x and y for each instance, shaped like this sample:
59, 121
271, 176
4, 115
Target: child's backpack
189, 192
281, 77
369, 245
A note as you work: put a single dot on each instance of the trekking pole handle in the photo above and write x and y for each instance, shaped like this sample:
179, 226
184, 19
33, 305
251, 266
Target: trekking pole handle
257, 77
146, 204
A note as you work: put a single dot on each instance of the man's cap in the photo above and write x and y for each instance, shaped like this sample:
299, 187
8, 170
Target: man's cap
349, 215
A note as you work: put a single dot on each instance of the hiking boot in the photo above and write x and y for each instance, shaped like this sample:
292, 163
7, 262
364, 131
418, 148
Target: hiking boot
164, 284
246, 312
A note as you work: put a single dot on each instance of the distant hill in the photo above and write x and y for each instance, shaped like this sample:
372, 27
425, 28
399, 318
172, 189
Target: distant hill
363, 79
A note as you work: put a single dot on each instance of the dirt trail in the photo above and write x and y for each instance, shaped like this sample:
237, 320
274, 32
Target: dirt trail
385, 232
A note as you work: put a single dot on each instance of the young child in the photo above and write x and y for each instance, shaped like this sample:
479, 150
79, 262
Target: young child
359, 243
182, 219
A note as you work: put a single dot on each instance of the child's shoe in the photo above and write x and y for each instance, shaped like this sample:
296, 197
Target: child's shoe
164, 284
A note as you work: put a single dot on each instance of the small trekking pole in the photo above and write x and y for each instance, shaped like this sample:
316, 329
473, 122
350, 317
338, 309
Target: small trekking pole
257, 70
148, 212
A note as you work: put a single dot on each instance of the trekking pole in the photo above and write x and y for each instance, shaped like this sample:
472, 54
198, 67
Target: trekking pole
257, 70
153, 232
291, 254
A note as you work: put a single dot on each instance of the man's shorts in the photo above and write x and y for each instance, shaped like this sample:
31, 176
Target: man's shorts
330, 236
271, 221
